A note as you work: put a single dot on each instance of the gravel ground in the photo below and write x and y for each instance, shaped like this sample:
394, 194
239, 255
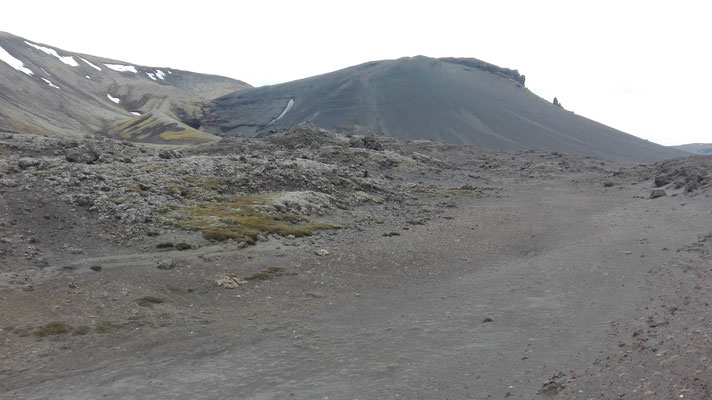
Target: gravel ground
456, 273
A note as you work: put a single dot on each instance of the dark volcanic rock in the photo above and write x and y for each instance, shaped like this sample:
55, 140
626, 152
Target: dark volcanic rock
370, 142
657, 193
661, 180
85, 154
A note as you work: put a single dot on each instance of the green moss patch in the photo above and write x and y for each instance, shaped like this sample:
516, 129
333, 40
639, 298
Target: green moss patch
187, 135
243, 218
52, 328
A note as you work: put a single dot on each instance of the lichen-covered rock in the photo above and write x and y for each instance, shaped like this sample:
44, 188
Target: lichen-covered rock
27, 162
302, 202
168, 154
85, 154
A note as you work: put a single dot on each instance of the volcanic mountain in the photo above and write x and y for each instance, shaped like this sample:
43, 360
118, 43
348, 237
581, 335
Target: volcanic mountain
52, 92
697, 148
458, 101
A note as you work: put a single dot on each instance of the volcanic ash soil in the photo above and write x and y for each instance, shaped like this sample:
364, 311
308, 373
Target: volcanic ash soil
315, 264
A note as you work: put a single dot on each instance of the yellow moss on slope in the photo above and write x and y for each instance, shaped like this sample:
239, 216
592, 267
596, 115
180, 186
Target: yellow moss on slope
242, 218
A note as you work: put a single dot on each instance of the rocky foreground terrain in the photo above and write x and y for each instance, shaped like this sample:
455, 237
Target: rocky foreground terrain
316, 264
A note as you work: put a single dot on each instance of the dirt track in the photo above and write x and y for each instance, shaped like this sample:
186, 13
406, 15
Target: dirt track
556, 265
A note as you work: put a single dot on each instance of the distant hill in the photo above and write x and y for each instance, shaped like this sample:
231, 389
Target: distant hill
48, 91
697, 148
459, 101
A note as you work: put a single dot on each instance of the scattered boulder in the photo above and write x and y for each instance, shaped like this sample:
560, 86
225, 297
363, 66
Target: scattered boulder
229, 282
552, 387
85, 154
27, 162
370, 142
303, 202
693, 183
367, 142
657, 193
82, 200
8, 182
661, 180
75, 250
322, 252
167, 263
182, 246
167, 154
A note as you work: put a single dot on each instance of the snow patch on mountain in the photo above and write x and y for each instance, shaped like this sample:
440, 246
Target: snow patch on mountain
47, 81
160, 74
284, 112
135, 113
114, 99
13, 62
122, 68
90, 64
87, 76
151, 75
69, 60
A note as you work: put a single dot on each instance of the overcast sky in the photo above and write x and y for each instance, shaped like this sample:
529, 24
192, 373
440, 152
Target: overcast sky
643, 67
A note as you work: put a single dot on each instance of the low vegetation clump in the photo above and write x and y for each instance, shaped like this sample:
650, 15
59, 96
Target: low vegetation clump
187, 135
60, 328
462, 192
52, 328
243, 218
80, 330
147, 301
7, 170
135, 188
183, 246
105, 326
267, 274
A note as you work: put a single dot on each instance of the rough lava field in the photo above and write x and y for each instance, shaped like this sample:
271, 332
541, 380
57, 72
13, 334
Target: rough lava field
308, 263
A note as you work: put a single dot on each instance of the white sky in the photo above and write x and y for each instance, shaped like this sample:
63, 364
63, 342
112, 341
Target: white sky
643, 67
